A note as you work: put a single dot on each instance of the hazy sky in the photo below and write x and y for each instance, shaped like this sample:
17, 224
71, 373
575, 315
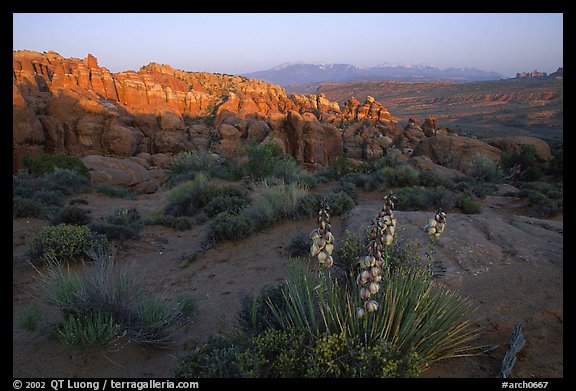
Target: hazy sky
245, 42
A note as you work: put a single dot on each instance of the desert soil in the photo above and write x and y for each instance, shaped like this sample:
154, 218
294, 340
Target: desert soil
508, 264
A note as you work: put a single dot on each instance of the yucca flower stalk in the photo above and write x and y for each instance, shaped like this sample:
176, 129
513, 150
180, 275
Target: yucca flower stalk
375, 263
434, 228
322, 238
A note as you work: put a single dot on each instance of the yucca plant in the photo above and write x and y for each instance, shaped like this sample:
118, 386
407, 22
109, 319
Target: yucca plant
413, 316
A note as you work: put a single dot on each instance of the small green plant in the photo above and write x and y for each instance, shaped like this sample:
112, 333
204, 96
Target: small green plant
467, 204
181, 223
45, 163
29, 318
23, 207
229, 226
522, 165
82, 331
121, 225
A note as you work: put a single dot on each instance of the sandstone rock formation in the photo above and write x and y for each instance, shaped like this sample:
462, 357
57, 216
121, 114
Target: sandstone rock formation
515, 143
455, 152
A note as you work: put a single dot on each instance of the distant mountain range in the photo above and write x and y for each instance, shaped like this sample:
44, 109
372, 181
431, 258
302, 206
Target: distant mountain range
299, 74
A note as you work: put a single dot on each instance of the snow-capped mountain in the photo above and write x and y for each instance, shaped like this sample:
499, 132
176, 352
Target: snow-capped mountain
302, 73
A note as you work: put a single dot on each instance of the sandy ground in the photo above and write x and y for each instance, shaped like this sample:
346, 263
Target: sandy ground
509, 265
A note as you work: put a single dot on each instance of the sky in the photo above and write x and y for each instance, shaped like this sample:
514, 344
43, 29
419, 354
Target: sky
237, 43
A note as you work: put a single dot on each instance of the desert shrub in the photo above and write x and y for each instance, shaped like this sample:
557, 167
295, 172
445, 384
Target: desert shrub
185, 165
417, 198
348, 188
339, 167
483, 189
281, 199
220, 204
399, 175
123, 224
66, 181
28, 319
308, 205
87, 330
256, 315
45, 163
429, 178
49, 197
467, 204
107, 302
78, 201
115, 191
485, 170
71, 215
24, 207
339, 202
526, 159
187, 304
545, 199
187, 197
229, 226
351, 247
59, 243
357, 178
556, 164
181, 223
216, 358
299, 245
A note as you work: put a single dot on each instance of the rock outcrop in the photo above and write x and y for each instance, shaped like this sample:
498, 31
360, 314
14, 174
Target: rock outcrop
76, 106
515, 143
455, 152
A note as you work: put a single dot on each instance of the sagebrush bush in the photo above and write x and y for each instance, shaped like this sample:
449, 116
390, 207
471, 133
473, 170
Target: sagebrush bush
59, 243
417, 198
71, 215
185, 165
485, 170
220, 204
123, 224
46, 163
115, 191
181, 223
229, 226
299, 245
527, 161
468, 205
24, 207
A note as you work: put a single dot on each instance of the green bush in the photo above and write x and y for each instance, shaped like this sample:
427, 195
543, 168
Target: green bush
485, 170
229, 226
28, 319
123, 224
339, 167
23, 207
44, 164
178, 223
60, 243
468, 205
339, 203
220, 204
556, 164
299, 245
526, 159
256, 315
71, 215
66, 181
49, 197
185, 165
417, 198
348, 251
115, 191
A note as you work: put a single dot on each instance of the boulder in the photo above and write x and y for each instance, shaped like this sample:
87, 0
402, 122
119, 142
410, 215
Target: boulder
121, 141
515, 143
170, 121
120, 172
430, 126
258, 130
424, 163
454, 151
